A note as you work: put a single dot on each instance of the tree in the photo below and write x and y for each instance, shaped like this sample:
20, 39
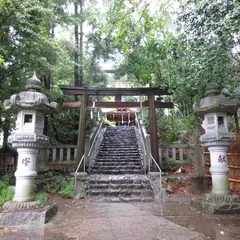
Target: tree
211, 39
24, 44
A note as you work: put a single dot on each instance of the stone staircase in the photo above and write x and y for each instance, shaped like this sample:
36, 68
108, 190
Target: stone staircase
117, 173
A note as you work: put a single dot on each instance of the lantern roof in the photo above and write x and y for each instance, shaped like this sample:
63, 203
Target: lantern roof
32, 98
214, 101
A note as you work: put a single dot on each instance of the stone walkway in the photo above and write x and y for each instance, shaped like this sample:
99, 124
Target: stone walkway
86, 220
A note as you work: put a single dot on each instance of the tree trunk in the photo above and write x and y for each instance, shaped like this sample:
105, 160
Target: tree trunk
76, 53
6, 127
236, 119
81, 46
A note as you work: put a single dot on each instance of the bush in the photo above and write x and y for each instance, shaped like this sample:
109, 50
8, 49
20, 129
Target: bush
6, 191
6, 195
42, 196
67, 189
55, 182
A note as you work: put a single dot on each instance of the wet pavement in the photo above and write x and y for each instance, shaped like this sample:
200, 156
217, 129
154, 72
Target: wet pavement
172, 219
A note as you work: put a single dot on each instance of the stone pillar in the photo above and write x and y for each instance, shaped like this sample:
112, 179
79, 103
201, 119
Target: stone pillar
30, 106
219, 169
25, 174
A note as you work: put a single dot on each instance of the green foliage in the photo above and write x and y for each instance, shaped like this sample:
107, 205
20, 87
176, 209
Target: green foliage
6, 191
6, 195
209, 50
42, 196
110, 123
138, 32
54, 182
170, 162
173, 128
67, 189
142, 40
82, 195
6, 180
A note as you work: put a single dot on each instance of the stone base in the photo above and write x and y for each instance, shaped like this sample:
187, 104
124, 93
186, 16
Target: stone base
17, 206
38, 216
218, 204
199, 185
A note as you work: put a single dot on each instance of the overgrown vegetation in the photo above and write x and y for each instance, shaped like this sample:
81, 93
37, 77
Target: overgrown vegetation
67, 189
6, 191
172, 128
42, 196
55, 183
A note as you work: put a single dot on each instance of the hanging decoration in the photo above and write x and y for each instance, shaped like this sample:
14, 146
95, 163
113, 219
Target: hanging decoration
98, 115
91, 114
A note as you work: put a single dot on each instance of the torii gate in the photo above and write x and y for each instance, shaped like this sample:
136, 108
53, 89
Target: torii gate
150, 104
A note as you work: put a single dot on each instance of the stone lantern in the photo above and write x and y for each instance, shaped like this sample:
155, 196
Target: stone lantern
214, 109
31, 106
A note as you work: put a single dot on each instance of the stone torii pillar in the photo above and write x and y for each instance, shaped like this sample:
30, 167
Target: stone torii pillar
31, 106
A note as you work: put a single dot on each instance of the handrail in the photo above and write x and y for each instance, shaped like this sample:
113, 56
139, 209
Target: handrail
82, 160
142, 142
149, 154
139, 127
95, 137
83, 157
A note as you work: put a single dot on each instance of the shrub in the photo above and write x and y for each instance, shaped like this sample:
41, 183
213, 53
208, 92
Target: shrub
6, 195
6, 191
42, 196
67, 189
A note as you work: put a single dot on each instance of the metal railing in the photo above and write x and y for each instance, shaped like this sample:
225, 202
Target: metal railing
142, 143
159, 169
83, 159
80, 163
94, 142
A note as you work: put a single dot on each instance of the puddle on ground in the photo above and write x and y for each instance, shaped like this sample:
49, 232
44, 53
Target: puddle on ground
219, 227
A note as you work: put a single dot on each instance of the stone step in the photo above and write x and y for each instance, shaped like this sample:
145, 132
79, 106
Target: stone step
120, 138
120, 151
125, 159
123, 148
120, 193
122, 171
118, 163
116, 157
115, 143
118, 179
115, 153
122, 186
122, 199
118, 154
119, 167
